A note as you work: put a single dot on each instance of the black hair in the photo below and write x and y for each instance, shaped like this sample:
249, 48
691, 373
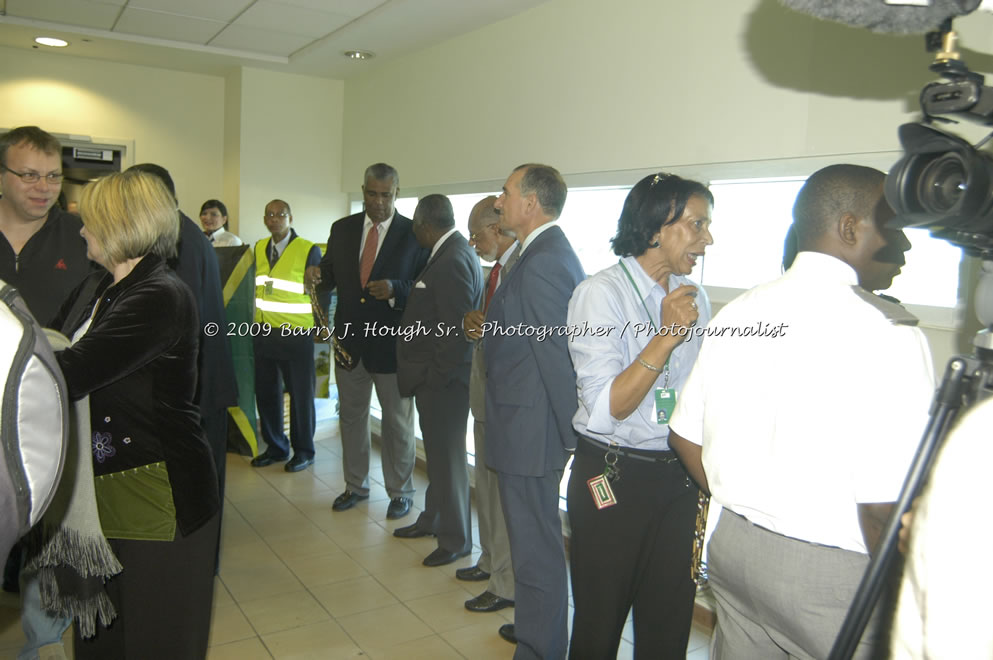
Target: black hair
436, 212
216, 204
828, 194
655, 201
159, 171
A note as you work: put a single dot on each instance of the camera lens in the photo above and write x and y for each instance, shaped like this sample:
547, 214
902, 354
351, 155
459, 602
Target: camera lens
942, 183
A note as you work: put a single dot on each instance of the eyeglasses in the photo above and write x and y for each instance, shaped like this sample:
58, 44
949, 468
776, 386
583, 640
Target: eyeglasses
34, 177
474, 237
281, 214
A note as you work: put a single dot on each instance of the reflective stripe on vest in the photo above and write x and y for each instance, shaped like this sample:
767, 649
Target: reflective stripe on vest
279, 295
282, 285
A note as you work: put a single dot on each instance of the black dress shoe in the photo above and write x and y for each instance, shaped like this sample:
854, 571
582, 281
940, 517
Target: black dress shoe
298, 463
265, 458
440, 557
472, 574
399, 507
411, 532
347, 500
507, 632
487, 602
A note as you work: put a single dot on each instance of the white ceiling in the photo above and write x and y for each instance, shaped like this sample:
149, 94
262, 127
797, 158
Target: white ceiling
211, 36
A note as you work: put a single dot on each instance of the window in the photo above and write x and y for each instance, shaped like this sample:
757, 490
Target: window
751, 217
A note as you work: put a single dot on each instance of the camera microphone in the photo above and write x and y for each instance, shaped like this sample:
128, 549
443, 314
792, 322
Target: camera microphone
892, 16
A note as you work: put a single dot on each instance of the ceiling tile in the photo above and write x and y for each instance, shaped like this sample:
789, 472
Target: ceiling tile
160, 25
97, 15
260, 40
291, 20
353, 8
217, 10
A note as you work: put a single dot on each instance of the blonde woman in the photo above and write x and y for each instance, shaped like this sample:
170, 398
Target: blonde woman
135, 356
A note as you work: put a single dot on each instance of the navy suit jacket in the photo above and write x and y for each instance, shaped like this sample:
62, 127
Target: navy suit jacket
530, 384
450, 286
400, 260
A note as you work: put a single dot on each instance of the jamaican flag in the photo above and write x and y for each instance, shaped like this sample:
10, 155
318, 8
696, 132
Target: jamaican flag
238, 276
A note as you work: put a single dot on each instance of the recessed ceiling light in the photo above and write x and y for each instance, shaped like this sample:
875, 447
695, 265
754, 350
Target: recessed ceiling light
51, 41
359, 54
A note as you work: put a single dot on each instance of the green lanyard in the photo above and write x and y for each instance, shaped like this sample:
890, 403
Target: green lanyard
665, 367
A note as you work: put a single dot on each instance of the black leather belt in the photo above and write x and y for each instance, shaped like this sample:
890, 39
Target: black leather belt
648, 455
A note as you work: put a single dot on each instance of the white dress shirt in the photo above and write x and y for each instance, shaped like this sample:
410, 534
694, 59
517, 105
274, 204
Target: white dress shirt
800, 428
383, 227
607, 300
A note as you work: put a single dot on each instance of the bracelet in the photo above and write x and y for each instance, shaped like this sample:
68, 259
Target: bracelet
652, 367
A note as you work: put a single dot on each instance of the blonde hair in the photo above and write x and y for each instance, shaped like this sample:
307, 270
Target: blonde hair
131, 214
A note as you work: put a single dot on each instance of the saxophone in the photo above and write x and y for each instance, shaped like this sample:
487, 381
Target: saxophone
698, 568
341, 357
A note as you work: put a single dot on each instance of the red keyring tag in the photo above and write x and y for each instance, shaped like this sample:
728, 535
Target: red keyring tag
603, 494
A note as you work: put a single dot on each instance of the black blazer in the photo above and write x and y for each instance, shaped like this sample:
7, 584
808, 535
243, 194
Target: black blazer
435, 353
137, 362
358, 315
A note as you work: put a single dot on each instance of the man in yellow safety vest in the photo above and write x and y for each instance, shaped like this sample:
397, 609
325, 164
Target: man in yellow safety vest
284, 343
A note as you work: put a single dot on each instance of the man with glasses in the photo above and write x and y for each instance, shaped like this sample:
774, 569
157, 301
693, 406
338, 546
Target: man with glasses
44, 257
42, 253
284, 346
499, 246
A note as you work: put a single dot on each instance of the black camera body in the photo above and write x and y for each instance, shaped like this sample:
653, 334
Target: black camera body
943, 183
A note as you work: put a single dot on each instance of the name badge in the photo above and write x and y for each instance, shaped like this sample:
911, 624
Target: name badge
268, 287
665, 403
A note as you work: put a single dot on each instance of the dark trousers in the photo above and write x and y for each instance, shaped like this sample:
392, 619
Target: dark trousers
215, 428
541, 590
443, 417
288, 360
636, 553
163, 599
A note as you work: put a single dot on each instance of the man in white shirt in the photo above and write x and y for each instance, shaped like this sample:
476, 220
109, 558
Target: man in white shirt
804, 436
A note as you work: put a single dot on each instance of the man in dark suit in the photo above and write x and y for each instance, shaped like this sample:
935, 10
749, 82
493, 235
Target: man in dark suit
433, 366
530, 402
217, 388
371, 261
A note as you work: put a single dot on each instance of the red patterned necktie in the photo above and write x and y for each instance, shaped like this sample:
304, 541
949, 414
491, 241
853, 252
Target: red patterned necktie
368, 255
492, 284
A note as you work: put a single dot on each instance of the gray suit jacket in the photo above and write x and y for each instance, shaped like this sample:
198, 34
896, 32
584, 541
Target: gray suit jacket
477, 381
434, 352
530, 384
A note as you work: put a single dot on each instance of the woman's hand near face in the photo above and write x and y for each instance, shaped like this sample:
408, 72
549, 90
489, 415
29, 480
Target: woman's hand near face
680, 307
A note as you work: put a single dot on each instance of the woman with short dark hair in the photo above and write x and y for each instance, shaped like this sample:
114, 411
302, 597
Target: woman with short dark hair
632, 508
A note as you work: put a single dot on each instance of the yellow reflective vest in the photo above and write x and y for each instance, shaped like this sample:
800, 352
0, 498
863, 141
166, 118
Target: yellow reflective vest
279, 294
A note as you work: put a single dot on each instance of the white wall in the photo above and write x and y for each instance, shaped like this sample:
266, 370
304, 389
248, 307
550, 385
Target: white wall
174, 119
592, 86
605, 91
290, 149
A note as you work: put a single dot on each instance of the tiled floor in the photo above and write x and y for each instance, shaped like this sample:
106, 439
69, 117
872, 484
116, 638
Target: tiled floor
299, 581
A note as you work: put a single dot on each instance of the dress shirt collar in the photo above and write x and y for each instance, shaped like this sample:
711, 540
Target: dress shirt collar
281, 246
384, 226
438, 243
533, 235
505, 257
217, 233
824, 268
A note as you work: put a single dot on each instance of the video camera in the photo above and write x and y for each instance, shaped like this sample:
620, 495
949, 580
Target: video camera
943, 183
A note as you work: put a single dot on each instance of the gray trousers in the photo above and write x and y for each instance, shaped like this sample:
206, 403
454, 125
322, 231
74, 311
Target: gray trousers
779, 597
354, 397
493, 540
531, 507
